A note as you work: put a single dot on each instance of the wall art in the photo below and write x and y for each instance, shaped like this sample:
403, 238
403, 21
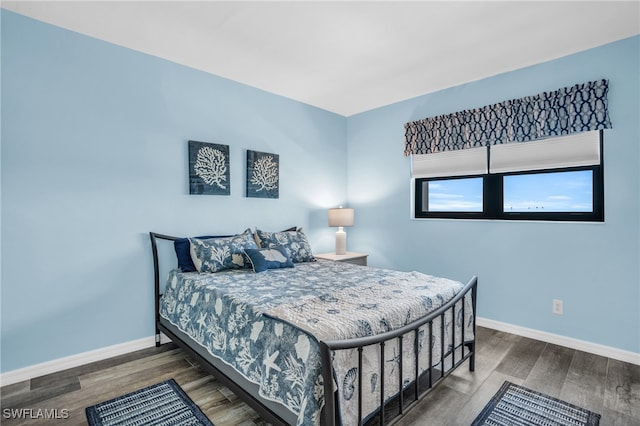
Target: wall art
209, 168
263, 174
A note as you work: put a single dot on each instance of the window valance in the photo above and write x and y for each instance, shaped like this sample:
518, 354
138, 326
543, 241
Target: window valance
564, 111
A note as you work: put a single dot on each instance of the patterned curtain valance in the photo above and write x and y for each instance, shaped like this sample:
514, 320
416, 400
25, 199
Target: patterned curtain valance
568, 110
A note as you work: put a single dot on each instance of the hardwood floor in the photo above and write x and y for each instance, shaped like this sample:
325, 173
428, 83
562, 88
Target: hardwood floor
606, 386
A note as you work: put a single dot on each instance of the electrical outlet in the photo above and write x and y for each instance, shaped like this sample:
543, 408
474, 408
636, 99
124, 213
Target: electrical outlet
557, 307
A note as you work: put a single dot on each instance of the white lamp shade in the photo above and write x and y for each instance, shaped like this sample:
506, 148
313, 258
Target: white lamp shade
341, 217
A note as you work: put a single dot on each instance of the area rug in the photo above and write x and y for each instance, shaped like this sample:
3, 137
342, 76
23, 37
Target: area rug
162, 404
515, 405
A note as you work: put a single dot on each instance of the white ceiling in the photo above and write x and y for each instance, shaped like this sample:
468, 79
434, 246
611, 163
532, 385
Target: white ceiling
348, 57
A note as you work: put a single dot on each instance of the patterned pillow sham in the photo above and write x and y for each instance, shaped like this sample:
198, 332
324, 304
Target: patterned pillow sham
218, 254
294, 242
255, 235
268, 258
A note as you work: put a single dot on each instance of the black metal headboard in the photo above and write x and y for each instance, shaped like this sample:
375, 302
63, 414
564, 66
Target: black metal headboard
156, 276
154, 236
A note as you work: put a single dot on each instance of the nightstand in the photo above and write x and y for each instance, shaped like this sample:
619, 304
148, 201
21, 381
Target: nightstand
349, 257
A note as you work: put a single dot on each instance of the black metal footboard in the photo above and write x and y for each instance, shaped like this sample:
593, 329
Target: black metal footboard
391, 409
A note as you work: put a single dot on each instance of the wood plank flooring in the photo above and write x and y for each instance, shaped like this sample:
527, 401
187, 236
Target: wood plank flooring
606, 386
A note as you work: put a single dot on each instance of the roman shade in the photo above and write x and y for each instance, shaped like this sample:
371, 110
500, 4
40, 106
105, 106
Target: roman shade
450, 163
581, 149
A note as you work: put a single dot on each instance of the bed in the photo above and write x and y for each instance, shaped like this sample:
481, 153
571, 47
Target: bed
284, 336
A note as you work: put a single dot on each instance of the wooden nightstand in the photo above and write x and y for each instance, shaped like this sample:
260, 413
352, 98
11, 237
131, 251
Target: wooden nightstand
350, 257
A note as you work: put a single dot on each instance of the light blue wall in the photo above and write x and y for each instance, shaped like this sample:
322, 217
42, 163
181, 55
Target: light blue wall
521, 266
94, 156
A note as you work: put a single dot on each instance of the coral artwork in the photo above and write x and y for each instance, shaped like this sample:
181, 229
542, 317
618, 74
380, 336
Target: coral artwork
263, 174
211, 166
208, 168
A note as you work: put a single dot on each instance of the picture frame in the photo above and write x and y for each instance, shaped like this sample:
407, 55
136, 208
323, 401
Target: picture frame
209, 169
263, 175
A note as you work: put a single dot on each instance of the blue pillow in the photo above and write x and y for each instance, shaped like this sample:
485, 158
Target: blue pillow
268, 258
218, 254
183, 253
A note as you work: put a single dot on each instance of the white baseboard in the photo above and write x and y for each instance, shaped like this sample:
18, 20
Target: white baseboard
27, 373
556, 339
60, 364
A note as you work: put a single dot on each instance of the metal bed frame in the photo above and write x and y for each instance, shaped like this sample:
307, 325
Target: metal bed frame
389, 411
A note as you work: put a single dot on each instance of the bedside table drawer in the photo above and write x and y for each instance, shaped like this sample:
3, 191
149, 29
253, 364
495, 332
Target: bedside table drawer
362, 261
349, 257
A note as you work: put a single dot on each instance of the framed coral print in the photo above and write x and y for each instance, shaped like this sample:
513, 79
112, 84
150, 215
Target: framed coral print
263, 174
209, 168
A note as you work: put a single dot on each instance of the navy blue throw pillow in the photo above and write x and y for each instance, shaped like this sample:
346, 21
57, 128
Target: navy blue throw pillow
269, 258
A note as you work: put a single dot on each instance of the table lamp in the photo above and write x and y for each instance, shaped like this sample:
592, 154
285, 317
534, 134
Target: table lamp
341, 217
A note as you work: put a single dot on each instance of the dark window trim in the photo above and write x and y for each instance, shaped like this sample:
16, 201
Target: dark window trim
419, 200
493, 198
597, 215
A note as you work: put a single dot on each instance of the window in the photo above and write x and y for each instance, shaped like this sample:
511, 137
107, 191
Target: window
555, 179
549, 192
454, 195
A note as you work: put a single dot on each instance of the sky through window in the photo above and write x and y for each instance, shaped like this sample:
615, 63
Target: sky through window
538, 192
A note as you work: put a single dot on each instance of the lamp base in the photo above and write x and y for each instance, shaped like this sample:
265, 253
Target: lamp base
341, 241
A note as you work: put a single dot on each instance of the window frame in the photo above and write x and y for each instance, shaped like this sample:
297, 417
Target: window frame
493, 197
422, 195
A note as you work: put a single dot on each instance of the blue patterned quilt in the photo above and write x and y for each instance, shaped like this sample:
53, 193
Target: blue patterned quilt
266, 326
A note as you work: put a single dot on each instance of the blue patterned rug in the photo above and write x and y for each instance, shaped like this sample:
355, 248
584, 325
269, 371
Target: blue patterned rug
161, 404
515, 405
